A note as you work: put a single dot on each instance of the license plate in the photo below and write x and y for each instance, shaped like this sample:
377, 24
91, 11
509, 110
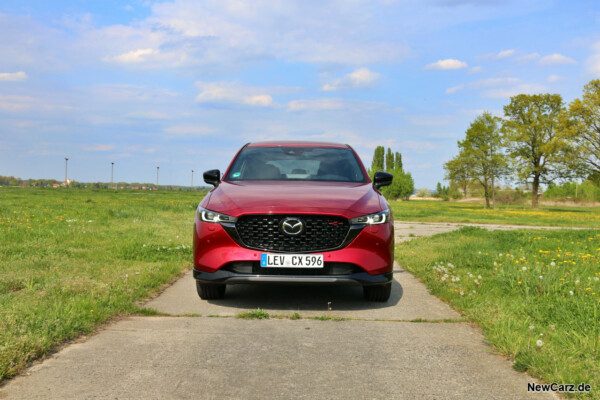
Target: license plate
268, 260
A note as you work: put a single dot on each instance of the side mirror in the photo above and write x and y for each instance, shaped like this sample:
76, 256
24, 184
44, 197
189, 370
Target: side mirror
382, 179
212, 177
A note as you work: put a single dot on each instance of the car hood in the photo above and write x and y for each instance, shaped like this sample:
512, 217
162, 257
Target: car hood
266, 197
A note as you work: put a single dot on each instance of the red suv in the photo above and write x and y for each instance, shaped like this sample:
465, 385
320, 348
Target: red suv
294, 212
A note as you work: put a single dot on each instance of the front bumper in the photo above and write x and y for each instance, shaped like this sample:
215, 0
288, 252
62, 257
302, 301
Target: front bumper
372, 251
231, 278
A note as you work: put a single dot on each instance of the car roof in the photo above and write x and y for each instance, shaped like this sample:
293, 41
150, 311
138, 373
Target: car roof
296, 143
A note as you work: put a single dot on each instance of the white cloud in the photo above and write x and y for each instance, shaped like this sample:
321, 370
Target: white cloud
447, 64
135, 56
593, 65
15, 103
360, 78
455, 89
188, 130
99, 147
13, 76
476, 69
231, 33
316, 105
554, 59
233, 93
339, 104
261, 100
525, 88
497, 56
528, 57
554, 78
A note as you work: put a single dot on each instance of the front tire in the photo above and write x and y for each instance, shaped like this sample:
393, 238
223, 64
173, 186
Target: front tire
210, 291
378, 293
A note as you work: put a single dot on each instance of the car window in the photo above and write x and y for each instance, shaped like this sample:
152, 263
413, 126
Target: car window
296, 163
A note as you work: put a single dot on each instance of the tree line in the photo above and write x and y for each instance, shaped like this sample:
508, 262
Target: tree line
403, 184
539, 140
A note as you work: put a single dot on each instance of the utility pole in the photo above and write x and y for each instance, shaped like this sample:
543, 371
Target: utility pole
66, 164
157, 168
112, 167
192, 179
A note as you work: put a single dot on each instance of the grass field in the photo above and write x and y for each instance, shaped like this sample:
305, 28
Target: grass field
536, 294
443, 211
71, 259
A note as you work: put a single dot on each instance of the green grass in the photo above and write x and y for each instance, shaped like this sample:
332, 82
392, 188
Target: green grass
521, 287
254, 314
443, 211
72, 259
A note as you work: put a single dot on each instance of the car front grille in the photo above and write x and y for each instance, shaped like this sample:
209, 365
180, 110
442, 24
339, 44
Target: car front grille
264, 232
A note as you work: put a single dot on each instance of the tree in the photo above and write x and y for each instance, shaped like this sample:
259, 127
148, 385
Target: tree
585, 127
377, 163
389, 160
534, 139
402, 185
398, 162
481, 155
459, 171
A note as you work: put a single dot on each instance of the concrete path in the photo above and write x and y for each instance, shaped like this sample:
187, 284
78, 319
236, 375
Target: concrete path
412, 347
407, 230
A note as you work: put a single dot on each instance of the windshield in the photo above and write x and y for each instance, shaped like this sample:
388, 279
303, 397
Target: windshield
296, 163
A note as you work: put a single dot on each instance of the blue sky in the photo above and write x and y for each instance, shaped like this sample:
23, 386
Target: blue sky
183, 84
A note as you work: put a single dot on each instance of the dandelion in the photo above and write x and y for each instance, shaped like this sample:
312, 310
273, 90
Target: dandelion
531, 327
541, 277
552, 327
478, 276
596, 278
571, 292
474, 291
553, 264
519, 282
539, 343
524, 268
462, 293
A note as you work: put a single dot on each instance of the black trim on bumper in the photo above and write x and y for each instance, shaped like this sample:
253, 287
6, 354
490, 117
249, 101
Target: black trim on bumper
232, 278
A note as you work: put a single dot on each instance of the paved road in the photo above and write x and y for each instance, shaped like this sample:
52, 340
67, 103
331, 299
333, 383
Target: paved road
412, 347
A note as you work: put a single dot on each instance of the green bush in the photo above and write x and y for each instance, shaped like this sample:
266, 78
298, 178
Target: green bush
423, 193
586, 191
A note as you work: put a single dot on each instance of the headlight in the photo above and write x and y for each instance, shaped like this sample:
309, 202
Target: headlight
214, 217
372, 219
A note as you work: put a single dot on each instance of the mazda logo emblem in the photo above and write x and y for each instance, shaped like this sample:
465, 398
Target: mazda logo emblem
292, 226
